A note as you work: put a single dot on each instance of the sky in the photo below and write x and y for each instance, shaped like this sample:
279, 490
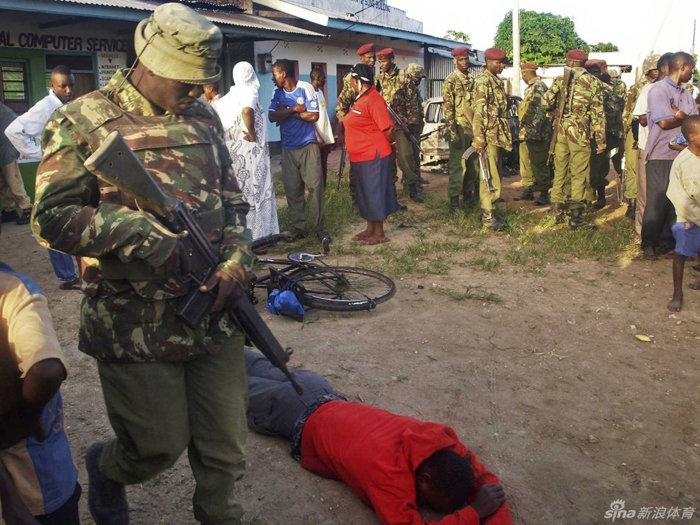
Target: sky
616, 21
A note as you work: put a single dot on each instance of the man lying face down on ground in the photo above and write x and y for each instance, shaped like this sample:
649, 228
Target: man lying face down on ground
393, 463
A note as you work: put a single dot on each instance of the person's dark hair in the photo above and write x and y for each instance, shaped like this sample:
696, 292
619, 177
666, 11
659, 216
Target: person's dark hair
286, 66
691, 125
61, 70
451, 476
678, 60
317, 73
664, 60
363, 73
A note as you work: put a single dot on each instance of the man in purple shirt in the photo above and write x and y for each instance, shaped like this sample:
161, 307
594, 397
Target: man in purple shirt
668, 105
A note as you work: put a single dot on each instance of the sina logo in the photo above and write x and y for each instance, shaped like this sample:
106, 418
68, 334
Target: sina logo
617, 510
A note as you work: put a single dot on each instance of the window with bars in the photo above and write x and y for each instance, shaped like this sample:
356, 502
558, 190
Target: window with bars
14, 93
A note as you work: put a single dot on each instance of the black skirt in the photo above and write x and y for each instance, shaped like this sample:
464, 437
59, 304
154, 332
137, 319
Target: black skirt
375, 191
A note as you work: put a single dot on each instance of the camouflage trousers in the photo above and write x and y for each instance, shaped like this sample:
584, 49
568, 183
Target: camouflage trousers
630, 167
533, 164
463, 174
157, 410
571, 172
406, 161
12, 188
486, 197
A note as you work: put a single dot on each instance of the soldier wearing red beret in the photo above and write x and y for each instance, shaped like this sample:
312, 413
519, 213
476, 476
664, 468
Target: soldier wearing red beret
401, 94
347, 95
457, 109
491, 131
583, 118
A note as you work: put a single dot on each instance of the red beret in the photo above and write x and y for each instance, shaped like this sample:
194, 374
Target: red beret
528, 67
592, 64
494, 53
460, 52
367, 48
576, 54
602, 63
386, 53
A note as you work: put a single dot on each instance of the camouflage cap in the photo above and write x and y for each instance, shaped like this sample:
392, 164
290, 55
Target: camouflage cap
650, 62
416, 71
178, 43
614, 73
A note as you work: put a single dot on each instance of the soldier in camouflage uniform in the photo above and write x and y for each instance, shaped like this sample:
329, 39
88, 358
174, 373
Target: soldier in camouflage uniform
416, 73
535, 132
650, 72
401, 94
458, 112
167, 387
491, 130
616, 126
583, 118
347, 95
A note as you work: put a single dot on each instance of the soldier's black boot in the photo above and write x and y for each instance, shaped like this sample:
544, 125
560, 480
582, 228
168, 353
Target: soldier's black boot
491, 221
599, 204
576, 221
526, 195
415, 193
106, 498
631, 209
543, 199
559, 213
454, 204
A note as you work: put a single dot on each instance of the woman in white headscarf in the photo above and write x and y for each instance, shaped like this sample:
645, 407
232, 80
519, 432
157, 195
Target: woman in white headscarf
245, 131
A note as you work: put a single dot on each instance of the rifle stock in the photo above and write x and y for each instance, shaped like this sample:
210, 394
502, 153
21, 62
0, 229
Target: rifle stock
115, 163
561, 102
343, 160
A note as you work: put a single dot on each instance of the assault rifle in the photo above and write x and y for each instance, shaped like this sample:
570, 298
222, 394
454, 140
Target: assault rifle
400, 123
559, 112
116, 164
343, 160
484, 164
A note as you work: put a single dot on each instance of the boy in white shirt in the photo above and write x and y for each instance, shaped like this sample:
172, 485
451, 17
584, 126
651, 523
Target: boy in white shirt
324, 130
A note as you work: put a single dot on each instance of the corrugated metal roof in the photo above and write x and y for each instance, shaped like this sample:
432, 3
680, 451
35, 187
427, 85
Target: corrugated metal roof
134, 10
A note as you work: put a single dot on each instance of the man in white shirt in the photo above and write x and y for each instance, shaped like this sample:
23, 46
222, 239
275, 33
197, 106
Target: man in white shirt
324, 130
25, 135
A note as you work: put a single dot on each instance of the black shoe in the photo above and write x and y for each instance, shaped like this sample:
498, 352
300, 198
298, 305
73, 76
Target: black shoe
9, 216
403, 207
296, 235
454, 204
25, 217
559, 210
599, 204
491, 221
576, 221
415, 194
106, 498
423, 181
526, 195
631, 209
543, 199
72, 285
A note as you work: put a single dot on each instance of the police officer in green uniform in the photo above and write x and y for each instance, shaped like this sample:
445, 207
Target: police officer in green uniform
599, 162
401, 94
491, 130
416, 74
457, 91
535, 131
168, 388
347, 95
650, 74
583, 117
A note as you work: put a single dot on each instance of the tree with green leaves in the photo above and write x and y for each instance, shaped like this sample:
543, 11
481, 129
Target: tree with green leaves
604, 47
545, 38
457, 36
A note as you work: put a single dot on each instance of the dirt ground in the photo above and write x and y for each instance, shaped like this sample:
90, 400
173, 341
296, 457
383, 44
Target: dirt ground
550, 388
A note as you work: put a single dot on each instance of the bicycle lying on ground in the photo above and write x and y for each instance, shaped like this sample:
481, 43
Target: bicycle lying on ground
319, 285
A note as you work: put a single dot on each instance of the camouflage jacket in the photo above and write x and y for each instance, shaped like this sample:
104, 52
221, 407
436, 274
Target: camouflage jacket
535, 124
401, 94
631, 102
345, 99
491, 112
128, 313
584, 111
614, 101
457, 93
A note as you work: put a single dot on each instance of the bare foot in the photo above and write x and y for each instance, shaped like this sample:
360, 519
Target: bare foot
694, 286
675, 303
360, 236
374, 240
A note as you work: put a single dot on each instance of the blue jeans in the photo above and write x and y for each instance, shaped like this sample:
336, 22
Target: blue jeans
63, 267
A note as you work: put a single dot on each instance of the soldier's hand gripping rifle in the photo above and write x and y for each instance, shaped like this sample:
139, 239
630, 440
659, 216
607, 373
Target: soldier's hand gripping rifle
343, 160
484, 164
559, 112
115, 163
400, 123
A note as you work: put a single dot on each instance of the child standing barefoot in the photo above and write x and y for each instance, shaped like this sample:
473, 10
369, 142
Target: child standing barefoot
684, 192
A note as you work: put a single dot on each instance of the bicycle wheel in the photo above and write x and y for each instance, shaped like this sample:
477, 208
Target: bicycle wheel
342, 289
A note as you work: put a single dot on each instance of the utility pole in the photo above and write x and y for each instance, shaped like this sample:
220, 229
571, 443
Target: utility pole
516, 49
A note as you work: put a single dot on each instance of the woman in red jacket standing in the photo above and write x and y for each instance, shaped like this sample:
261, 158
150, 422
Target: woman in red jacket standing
369, 135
